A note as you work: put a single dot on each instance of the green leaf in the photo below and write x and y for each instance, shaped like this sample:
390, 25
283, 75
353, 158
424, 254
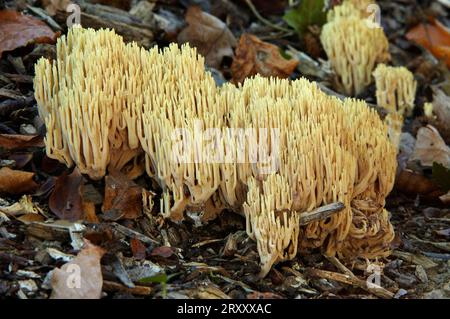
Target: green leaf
308, 12
441, 175
160, 279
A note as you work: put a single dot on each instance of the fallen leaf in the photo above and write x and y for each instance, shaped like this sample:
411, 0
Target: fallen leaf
52, 6
307, 13
434, 36
209, 35
16, 182
123, 197
410, 182
163, 251
254, 56
18, 30
430, 148
15, 141
81, 278
66, 201
138, 248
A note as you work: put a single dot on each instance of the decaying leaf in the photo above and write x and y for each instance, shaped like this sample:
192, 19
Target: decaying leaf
18, 30
209, 35
163, 251
66, 201
14, 141
413, 183
434, 36
137, 248
254, 56
16, 182
430, 148
81, 278
123, 197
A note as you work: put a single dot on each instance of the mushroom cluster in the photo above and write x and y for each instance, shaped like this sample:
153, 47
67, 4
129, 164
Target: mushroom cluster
269, 149
354, 46
395, 89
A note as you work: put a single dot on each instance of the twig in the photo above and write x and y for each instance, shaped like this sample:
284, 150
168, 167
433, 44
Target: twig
320, 213
206, 242
264, 20
351, 280
136, 290
132, 233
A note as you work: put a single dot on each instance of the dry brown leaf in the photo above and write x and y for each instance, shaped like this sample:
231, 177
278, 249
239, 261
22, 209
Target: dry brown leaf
15, 141
66, 201
18, 30
137, 248
434, 36
209, 35
16, 182
123, 197
430, 148
255, 56
81, 278
52, 6
410, 182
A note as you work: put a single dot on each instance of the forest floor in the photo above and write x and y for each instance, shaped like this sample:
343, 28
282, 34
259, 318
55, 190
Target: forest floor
147, 257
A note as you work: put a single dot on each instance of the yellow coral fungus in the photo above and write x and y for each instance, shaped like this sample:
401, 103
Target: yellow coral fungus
269, 149
354, 48
395, 89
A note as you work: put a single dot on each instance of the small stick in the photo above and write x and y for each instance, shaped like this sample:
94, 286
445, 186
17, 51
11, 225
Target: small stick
136, 290
264, 20
351, 280
132, 233
320, 213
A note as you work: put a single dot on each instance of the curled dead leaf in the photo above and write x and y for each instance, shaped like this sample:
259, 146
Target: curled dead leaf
431, 148
209, 35
66, 201
138, 248
16, 182
413, 183
254, 56
434, 36
18, 30
123, 197
81, 278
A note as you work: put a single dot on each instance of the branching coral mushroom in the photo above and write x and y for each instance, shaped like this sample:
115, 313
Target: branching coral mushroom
351, 8
395, 88
322, 150
354, 49
81, 96
329, 151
